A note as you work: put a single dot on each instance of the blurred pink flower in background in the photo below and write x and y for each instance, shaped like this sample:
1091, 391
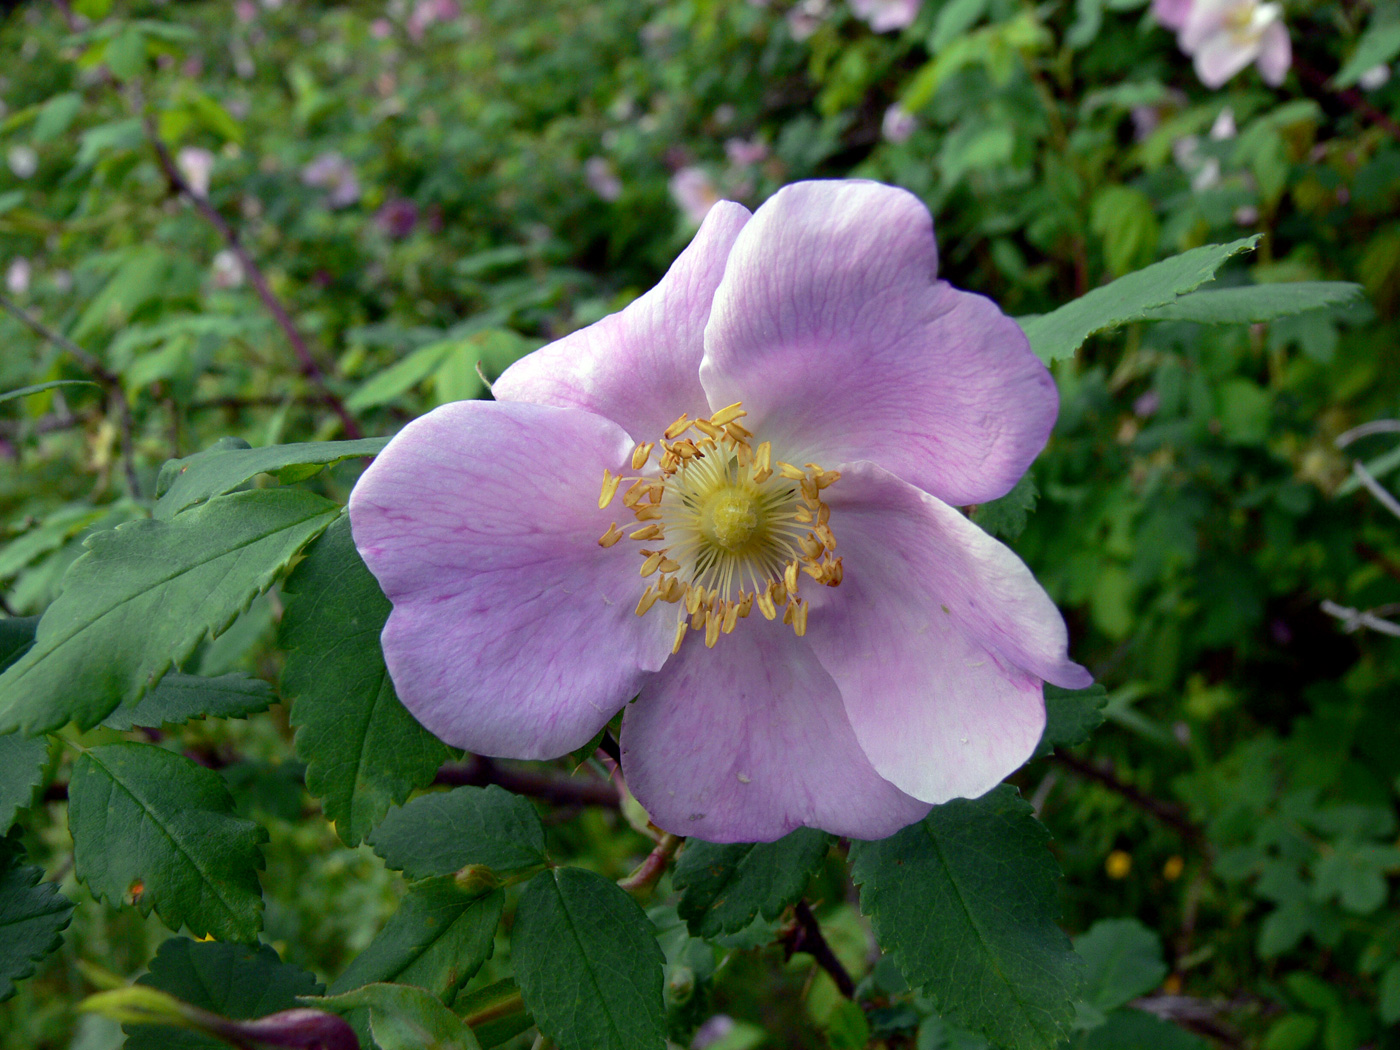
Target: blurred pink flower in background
381, 29
805, 16
428, 13
602, 179
744, 153
898, 124
196, 165
397, 217
332, 172
886, 15
694, 192
226, 270
1224, 36
1376, 76
18, 275
23, 161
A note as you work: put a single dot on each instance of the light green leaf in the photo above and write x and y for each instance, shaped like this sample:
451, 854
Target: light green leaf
233, 980
1379, 44
49, 534
437, 940
32, 917
364, 751
25, 391
144, 595
401, 376
126, 53
1070, 716
184, 482
724, 886
1123, 960
141, 814
444, 831
588, 964
966, 903
1135, 1030
1130, 298
1258, 302
178, 698
402, 1017
22, 761
56, 115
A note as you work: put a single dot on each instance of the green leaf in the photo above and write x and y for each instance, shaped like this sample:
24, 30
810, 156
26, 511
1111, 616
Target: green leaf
588, 964
1389, 994
1379, 44
402, 1017
49, 534
437, 940
1136, 1030
501, 1007
1123, 959
144, 595
1254, 303
223, 468
1130, 298
126, 53
56, 116
22, 761
178, 698
363, 751
232, 980
443, 831
141, 814
16, 637
966, 903
1006, 517
401, 376
724, 886
33, 916
1070, 716
38, 388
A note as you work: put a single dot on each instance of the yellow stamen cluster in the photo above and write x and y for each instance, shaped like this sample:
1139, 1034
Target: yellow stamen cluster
728, 527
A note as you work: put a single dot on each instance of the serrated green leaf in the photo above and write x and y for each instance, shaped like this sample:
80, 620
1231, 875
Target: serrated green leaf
966, 903
215, 471
363, 751
1071, 715
724, 886
1061, 332
447, 830
588, 964
22, 761
144, 595
38, 388
33, 916
1254, 303
16, 637
1122, 959
402, 1017
178, 698
437, 940
233, 980
1006, 517
141, 814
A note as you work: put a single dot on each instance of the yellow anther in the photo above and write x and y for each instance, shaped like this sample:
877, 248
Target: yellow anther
694, 599
809, 491
731, 617
675, 591
641, 454
698, 618
685, 449
799, 618
728, 414
649, 532
764, 601
745, 604
738, 433
650, 596
834, 573
789, 575
826, 536
635, 492
679, 427
652, 563
611, 536
669, 462
649, 512
667, 565
680, 635
802, 514
777, 592
763, 463
790, 472
709, 429
811, 546
657, 491
713, 625
823, 514
788, 612
610, 484
827, 478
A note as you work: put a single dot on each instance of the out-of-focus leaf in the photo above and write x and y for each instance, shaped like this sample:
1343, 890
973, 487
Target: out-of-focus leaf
33, 916
1378, 45
25, 391
444, 831
1006, 517
402, 1017
724, 886
1123, 960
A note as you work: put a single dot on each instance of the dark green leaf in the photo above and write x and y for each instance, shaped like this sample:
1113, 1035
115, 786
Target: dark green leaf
1123, 959
506, 1016
724, 886
447, 830
437, 940
22, 760
16, 636
402, 1017
1070, 716
25, 391
32, 917
233, 980
178, 698
588, 963
1259, 302
144, 595
1006, 517
221, 469
966, 902
1136, 1030
141, 814
363, 751
1061, 332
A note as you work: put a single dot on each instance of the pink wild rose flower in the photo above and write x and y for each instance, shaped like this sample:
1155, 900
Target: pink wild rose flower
1224, 36
886, 15
776, 568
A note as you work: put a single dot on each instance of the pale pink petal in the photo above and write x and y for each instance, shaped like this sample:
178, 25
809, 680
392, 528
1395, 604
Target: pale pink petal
746, 741
1171, 13
513, 633
1275, 54
939, 639
1219, 58
1204, 19
638, 367
830, 327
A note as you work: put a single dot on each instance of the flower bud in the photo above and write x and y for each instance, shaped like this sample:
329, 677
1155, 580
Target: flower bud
477, 880
680, 985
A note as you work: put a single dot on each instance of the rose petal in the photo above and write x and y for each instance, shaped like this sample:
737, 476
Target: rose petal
1219, 58
831, 329
1275, 54
513, 633
746, 741
638, 367
938, 638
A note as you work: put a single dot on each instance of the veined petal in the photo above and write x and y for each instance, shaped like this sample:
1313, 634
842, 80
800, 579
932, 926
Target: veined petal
830, 328
939, 639
513, 633
638, 367
746, 741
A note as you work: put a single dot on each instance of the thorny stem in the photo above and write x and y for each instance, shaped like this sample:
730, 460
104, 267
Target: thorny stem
807, 937
477, 771
110, 382
651, 869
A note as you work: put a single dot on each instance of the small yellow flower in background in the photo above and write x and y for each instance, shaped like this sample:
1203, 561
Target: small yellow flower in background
1118, 864
1172, 869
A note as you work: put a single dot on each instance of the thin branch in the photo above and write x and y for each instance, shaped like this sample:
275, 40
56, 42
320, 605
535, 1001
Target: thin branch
477, 771
1376, 426
1376, 489
806, 936
110, 381
1356, 619
1168, 813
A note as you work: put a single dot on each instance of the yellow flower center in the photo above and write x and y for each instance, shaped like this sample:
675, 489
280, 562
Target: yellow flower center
729, 527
